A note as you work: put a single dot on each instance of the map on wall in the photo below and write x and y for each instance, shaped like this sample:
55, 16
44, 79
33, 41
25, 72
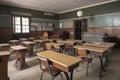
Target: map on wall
34, 26
42, 26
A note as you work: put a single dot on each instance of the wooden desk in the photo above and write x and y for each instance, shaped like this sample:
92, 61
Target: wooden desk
4, 47
104, 45
98, 44
101, 52
54, 39
77, 41
42, 42
68, 45
20, 55
4, 55
32, 38
61, 61
59, 46
66, 42
14, 42
23, 39
92, 48
30, 46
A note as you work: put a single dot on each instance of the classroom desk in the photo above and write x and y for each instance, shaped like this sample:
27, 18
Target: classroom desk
30, 46
42, 42
4, 47
13, 42
59, 46
32, 38
55, 39
63, 62
68, 45
4, 56
104, 44
101, 52
20, 55
67, 42
23, 39
77, 41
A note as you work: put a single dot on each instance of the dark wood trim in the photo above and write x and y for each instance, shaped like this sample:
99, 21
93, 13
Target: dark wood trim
5, 34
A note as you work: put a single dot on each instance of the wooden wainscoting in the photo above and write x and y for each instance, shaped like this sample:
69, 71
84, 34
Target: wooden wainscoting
57, 33
36, 33
5, 34
40, 33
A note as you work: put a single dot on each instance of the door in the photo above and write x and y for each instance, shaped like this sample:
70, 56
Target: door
80, 26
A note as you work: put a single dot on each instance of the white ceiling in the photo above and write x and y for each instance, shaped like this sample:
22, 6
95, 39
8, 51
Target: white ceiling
56, 6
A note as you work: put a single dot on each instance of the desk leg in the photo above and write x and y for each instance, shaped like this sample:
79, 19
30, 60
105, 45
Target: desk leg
23, 64
31, 50
107, 60
67, 76
71, 75
101, 66
62, 48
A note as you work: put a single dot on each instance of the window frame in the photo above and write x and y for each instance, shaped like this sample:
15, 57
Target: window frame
21, 25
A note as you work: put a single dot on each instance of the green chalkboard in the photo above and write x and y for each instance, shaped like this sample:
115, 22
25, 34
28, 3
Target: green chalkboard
107, 20
5, 21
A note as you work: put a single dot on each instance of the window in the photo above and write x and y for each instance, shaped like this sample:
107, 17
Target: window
21, 24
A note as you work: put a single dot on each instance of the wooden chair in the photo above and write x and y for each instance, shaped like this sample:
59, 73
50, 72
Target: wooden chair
84, 56
46, 66
48, 47
57, 48
38, 47
68, 49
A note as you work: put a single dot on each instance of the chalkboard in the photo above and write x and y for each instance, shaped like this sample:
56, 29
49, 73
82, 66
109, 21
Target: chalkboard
5, 21
107, 20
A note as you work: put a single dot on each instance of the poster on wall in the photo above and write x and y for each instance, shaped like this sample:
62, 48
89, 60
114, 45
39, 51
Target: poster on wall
34, 26
50, 26
39, 27
42, 26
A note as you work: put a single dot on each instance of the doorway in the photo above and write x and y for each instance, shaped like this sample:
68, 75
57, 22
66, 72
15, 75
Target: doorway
80, 26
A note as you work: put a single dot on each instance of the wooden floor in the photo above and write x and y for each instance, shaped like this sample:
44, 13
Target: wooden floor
34, 72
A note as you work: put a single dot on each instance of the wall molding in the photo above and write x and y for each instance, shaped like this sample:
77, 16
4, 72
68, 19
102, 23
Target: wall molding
90, 16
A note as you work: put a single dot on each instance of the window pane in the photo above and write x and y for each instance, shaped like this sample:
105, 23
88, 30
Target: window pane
27, 30
27, 27
17, 22
23, 31
21, 24
17, 18
17, 26
17, 30
23, 27
25, 21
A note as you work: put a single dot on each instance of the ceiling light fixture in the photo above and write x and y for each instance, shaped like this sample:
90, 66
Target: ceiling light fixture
79, 13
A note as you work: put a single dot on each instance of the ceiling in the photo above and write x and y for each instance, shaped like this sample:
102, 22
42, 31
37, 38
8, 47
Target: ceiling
56, 6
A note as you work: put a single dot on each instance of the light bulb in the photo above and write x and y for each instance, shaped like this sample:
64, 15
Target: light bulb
79, 13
